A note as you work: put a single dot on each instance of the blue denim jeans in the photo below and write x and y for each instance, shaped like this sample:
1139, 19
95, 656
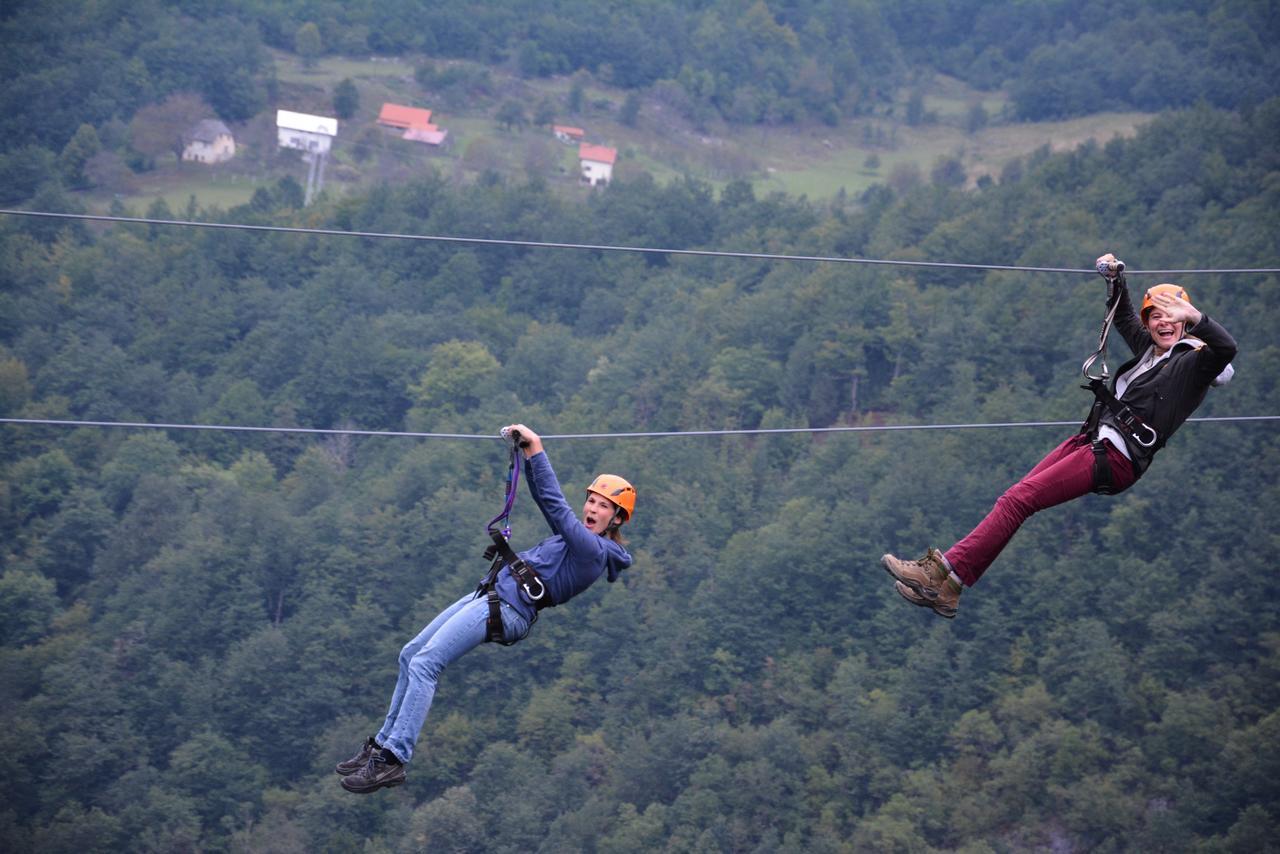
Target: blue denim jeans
456, 631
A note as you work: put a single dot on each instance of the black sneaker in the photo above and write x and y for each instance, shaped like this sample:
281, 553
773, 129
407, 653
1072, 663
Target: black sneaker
355, 763
376, 774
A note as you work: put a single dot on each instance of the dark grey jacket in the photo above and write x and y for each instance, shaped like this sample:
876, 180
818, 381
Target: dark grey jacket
1166, 395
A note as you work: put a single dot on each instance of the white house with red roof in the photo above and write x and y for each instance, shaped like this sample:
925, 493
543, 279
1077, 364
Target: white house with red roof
597, 163
398, 116
415, 121
568, 135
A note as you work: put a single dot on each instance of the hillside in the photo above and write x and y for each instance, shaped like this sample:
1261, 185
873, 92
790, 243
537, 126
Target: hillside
817, 161
200, 623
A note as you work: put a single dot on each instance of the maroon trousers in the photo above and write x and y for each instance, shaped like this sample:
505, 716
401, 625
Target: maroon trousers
1065, 473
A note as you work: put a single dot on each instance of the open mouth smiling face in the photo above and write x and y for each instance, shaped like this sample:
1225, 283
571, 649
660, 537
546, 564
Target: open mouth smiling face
1164, 332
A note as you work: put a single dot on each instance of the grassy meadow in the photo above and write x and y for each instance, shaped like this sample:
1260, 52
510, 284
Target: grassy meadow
816, 161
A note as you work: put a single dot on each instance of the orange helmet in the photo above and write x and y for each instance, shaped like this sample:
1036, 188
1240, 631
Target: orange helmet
1147, 303
616, 490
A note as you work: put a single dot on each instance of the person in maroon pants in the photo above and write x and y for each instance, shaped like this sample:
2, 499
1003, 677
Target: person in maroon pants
1179, 352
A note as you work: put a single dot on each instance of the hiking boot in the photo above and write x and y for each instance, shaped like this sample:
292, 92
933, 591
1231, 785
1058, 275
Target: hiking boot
943, 606
925, 576
355, 763
377, 773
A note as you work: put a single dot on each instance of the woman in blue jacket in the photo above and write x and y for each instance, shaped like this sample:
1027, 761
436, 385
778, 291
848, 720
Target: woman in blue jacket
563, 565
1179, 352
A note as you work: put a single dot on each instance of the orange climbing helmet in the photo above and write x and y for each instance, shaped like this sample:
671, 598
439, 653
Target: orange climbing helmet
1147, 303
617, 490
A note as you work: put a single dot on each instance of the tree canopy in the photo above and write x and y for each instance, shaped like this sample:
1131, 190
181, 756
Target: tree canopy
201, 623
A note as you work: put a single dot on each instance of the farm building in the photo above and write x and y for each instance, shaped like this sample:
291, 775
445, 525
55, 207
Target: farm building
597, 163
397, 116
568, 135
305, 132
210, 141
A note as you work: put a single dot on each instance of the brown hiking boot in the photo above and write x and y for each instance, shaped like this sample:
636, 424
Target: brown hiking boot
355, 763
378, 772
943, 606
927, 579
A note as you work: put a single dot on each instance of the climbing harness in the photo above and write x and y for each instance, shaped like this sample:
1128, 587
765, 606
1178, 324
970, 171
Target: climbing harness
501, 554
1126, 419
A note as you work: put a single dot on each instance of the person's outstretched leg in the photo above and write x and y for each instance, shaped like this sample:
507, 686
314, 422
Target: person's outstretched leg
406, 656
936, 580
374, 767
463, 631
1064, 475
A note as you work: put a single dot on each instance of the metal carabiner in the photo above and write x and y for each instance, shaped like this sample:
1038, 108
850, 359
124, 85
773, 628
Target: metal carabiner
1100, 355
542, 590
1155, 437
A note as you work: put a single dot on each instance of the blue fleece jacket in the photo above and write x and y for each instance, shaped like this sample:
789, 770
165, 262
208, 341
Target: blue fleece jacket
572, 558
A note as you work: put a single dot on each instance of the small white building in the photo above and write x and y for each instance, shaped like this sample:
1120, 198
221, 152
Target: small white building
597, 163
568, 135
210, 141
305, 132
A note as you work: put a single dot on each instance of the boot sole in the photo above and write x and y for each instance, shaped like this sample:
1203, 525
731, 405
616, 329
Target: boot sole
927, 592
948, 613
364, 790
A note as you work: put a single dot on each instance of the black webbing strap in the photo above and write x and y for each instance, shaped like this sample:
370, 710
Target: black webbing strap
1128, 420
526, 576
494, 632
1102, 482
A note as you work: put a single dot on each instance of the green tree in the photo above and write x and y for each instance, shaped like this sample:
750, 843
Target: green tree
22, 171
457, 377
213, 772
948, 172
162, 128
545, 113
307, 44
76, 156
15, 385
450, 821
629, 115
976, 118
27, 605
39, 484
577, 93
346, 99
510, 114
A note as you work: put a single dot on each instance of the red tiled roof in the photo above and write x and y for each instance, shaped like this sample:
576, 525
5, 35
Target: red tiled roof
598, 153
576, 133
403, 117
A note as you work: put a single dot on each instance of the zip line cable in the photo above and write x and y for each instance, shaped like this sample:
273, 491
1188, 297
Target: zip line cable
595, 247
654, 434
537, 244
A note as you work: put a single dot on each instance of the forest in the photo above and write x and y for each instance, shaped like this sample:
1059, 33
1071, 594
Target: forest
196, 625
748, 62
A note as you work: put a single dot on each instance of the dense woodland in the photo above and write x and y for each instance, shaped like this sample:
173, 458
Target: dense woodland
74, 82
194, 626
